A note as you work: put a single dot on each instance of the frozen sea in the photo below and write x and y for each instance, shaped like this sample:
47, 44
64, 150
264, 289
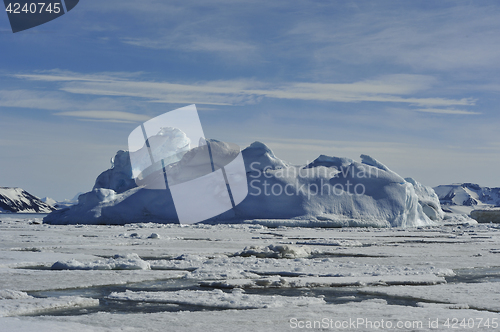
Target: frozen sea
247, 277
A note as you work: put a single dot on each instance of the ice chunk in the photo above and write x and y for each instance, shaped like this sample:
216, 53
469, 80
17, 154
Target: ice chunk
118, 262
276, 251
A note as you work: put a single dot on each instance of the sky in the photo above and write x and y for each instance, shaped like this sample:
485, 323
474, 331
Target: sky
414, 84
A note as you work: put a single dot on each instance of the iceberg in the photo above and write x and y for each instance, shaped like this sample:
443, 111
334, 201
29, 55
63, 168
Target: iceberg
491, 215
328, 192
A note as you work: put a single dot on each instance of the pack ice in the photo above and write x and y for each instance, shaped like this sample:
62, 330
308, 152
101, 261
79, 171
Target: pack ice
328, 192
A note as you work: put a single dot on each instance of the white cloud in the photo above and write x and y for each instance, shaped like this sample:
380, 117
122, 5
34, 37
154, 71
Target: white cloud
98, 109
107, 116
33, 99
444, 38
389, 89
204, 44
446, 111
57, 75
351, 93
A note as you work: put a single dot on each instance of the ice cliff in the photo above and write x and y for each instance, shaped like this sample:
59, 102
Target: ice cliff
328, 192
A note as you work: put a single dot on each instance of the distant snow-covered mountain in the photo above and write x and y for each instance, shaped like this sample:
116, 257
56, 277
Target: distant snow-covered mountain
61, 204
17, 200
67, 202
49, 201
466, 197
467, 194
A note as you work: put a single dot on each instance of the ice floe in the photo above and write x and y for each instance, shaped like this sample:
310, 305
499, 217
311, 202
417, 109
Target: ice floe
300, 282
237, 299
479, 296
14, 303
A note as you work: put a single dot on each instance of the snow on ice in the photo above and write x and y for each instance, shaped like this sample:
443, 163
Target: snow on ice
15, 303
216, 277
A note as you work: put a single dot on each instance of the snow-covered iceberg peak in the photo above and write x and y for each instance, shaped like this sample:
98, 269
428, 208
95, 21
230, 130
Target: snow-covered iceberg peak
261, 156
328, 192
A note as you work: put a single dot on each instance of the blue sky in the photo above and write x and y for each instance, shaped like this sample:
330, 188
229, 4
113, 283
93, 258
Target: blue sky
414, 84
